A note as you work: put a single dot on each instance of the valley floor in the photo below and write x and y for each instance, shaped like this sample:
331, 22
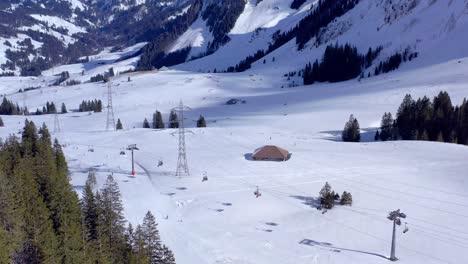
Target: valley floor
221, 221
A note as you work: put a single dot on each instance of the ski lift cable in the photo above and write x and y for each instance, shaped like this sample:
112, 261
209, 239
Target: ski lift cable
414, 227
422, 187
446, 240
270, 191
414, 218
410, 194
343, 224
408, 201
379, 217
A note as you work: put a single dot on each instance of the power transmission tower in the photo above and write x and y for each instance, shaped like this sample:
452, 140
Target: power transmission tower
395, 216
132, 148
182, 166
56, 123
110, 122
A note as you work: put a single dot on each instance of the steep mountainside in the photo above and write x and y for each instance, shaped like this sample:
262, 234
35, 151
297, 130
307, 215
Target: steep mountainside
37, 34
285, 36
271, 36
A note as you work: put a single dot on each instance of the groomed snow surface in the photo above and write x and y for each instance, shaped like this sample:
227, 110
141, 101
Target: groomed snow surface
221, 221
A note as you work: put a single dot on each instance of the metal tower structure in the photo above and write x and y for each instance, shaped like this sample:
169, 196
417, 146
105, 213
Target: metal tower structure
132, 148
110, 122
395, 217
182, 165
56, 123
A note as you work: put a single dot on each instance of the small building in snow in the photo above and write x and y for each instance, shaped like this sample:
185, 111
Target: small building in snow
271, 153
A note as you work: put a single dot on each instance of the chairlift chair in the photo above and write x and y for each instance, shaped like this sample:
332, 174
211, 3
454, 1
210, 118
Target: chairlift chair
160, 163
122, 152
257, 193
90, 149
406, 228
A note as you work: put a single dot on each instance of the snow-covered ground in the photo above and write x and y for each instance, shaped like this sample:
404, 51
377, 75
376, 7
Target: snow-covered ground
221, 221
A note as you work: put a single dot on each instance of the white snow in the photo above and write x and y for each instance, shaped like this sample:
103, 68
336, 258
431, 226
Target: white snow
197, 37
221, 220
182, 12
77, 4
266, 14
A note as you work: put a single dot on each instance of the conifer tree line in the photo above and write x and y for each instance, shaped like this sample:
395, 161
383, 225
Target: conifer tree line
394, 61
103, 77
90, 105
423, 119
50, 108
173, 122
42, 220
7, 107
339, 63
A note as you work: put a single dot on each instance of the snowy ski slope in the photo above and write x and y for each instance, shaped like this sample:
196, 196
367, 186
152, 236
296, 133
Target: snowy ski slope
221, 221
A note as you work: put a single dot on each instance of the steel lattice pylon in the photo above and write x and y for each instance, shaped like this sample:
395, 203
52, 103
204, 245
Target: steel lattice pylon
110, 122
182, 165
56, 123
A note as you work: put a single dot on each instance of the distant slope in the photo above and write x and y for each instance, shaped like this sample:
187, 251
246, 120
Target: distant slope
436, 30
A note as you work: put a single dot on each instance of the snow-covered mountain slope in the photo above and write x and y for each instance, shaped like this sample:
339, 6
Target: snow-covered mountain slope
437, 30
38, 34
221, 221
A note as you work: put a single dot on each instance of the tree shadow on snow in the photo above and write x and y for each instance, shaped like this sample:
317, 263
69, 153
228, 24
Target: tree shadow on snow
308, 200
313, 243
367, 135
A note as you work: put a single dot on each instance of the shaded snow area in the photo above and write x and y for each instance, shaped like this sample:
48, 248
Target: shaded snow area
59, 23
221, 220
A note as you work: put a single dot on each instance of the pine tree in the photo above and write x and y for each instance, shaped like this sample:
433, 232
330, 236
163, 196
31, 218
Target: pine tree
64, 109
201, 121
406, 118
91, 179
152, 238
351, 131
1, 122
386, 127
440, 137
327, 196
167, 257
89, 208
119, 125
346, 198
111, 220
146, 123
173, 120
140, 247
377, 136
158, 122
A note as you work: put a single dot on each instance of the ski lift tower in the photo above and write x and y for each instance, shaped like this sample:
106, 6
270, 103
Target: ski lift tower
132, 148
182, 166
395, 216
110, 120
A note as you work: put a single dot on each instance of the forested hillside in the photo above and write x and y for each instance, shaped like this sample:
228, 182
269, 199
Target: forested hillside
43, 221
